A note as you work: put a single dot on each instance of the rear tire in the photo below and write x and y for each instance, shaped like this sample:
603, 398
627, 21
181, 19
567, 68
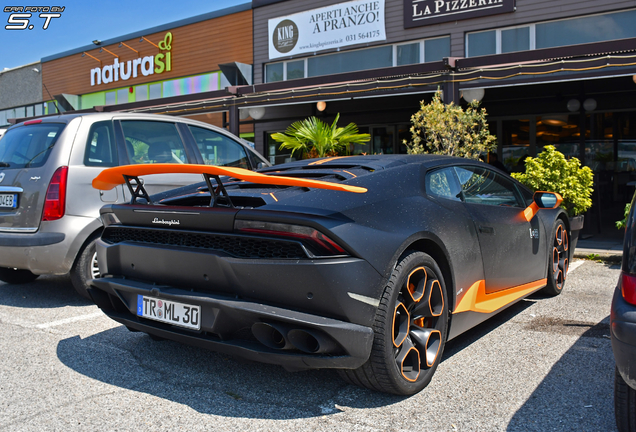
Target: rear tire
558, 259
85, 268
16, 276
624, 404
410, 329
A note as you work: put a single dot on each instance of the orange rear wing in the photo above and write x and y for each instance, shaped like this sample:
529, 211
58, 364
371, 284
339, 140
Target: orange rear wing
111, 177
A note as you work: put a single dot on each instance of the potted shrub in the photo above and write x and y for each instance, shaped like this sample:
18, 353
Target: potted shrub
314, 138
450, 130
552, 172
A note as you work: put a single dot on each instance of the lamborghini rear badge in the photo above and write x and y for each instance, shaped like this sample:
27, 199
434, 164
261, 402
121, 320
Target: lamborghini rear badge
166, 222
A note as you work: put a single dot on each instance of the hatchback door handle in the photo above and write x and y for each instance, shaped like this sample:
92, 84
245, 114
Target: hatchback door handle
486, 229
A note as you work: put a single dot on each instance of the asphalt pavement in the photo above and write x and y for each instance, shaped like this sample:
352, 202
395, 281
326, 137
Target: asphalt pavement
544, 364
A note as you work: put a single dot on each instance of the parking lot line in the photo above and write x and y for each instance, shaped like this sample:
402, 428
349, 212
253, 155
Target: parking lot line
69, 320
575, 264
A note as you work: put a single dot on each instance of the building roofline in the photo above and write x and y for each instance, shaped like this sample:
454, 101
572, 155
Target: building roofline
19, 67
171, 25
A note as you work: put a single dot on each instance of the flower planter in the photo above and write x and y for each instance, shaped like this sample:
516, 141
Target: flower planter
576, 225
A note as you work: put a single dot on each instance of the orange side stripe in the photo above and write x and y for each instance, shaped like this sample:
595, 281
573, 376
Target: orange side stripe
477, 300
530, 211
111, 177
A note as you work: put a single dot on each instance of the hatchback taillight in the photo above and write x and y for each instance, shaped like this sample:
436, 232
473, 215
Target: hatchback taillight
55, 203
628, 287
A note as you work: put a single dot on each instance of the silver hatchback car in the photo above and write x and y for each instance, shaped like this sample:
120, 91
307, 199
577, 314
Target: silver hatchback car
49, 212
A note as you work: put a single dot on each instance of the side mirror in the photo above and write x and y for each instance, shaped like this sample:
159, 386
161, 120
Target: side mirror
542, 200
547, 200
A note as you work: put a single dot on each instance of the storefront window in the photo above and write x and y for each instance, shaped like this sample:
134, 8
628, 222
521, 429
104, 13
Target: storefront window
20, 112
515, 144
436, 49
122, 96
274, 72
366, 58
111, 98
296, 69
38, 109
3, 118
371, 58
626, 139
154, 90
596, 28
51, 108
560, 130
141, 93
483, 43
408, 54
571, 31
517, 39
190, 85
274, 154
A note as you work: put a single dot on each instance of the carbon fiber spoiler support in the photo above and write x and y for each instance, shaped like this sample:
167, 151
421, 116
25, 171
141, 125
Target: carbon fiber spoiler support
136, 188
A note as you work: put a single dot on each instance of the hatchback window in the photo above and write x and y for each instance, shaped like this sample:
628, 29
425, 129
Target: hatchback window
29, 146
218, 149
150, 142
101, 148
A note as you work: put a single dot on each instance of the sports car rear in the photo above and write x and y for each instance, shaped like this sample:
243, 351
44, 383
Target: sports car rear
279, 287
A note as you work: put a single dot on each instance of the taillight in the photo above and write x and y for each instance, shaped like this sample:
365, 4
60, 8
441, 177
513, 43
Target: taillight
628, 287
55, 203
317, 243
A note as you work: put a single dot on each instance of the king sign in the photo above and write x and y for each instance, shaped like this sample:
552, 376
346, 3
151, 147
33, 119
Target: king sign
145, 66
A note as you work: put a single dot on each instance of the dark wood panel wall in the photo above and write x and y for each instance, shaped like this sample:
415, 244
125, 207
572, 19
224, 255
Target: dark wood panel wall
196, 48
528, 11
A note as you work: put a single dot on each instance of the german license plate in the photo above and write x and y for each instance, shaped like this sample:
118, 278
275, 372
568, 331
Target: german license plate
8, 200
169, 312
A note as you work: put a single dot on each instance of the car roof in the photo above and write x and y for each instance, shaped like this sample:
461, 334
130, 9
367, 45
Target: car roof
374, 162
97, 116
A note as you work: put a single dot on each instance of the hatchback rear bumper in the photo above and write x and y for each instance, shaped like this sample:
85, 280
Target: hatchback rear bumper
50, 250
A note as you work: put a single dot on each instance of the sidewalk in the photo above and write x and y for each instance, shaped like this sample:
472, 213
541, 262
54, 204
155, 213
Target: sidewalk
603, 247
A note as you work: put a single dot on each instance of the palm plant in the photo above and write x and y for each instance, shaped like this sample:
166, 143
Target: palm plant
313, 135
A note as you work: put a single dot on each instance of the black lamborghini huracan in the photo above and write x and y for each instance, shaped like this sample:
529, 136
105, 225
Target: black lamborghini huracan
366, 264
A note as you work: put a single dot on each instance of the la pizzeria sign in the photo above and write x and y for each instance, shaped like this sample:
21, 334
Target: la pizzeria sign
424, 12
141, 66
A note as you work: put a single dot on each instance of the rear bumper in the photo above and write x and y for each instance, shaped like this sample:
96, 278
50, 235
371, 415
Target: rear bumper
50, 250
623, 333
227, 323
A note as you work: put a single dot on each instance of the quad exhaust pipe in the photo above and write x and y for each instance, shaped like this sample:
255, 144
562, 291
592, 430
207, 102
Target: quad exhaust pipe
272, 335
283, 337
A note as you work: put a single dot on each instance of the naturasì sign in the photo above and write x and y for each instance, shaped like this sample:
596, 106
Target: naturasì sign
339, 25
144, 66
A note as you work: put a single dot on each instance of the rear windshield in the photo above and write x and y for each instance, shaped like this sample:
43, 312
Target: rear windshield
29, 146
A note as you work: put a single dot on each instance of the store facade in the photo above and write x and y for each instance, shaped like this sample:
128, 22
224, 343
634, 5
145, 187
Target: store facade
548, 72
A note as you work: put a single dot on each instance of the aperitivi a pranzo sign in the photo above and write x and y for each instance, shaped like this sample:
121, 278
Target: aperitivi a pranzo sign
339, 25
141, 66
424, 12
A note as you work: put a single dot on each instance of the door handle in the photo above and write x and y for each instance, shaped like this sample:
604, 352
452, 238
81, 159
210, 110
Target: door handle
486, 229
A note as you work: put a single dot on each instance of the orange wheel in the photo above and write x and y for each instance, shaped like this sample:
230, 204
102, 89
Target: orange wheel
410, 329
558, 259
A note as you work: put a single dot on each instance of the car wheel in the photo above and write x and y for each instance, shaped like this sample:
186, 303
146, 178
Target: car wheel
85, 268
558, 259
16, 276
624, 404
410, 329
